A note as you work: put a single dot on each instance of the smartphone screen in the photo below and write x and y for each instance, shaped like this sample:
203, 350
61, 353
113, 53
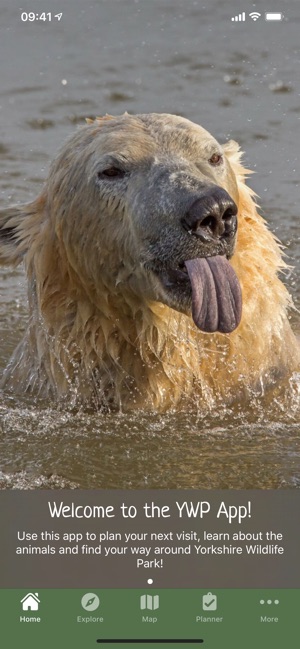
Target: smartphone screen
149, 305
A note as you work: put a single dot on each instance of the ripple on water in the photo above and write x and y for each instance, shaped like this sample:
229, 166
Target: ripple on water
257, 446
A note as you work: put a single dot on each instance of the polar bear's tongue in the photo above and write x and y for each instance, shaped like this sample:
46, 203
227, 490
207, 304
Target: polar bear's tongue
216, 294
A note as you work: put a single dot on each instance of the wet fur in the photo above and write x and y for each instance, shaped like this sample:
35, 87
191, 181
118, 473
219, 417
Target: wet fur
108, 342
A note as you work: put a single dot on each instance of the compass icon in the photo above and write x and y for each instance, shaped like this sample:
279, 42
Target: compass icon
90, 602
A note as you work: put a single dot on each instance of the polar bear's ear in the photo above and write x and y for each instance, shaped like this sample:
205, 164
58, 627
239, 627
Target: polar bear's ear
12, 221
20, 226
234, 156
232, 150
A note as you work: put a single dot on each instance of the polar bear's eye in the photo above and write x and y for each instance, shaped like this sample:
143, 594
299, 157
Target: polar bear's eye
111, 172
216, 159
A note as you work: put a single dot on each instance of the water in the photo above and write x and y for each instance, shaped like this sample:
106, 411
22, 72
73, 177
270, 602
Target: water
239, 81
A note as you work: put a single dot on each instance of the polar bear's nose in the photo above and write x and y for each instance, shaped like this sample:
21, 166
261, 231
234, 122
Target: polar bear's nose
212, 215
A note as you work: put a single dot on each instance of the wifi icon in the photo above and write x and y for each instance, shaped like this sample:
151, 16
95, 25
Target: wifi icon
255, 15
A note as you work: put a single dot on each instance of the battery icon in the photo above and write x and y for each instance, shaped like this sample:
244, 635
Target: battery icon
277, 16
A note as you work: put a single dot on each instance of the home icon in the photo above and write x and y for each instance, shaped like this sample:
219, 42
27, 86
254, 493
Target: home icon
30, 602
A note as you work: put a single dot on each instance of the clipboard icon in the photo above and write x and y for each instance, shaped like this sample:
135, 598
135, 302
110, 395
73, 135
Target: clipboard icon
209, 602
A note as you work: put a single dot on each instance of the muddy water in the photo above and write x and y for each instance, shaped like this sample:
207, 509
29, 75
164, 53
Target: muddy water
239, 81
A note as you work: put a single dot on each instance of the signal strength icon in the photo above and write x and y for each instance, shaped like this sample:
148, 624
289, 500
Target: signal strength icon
255, 15
239, 18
